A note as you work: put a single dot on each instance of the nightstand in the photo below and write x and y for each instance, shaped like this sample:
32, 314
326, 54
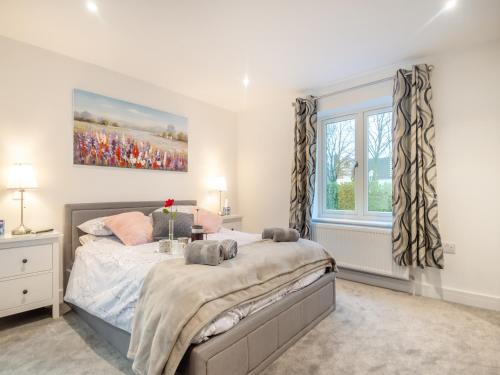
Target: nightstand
29, 273
232, 222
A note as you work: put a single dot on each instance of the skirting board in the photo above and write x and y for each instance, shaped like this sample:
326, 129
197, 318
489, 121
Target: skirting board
484, 301
426, 290
377, 280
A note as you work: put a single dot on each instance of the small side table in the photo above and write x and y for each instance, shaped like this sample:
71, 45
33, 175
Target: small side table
29, 273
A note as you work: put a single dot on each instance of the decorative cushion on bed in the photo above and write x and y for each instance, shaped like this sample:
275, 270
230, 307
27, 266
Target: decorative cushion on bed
182, 225
132, 228
96, 227
211, 221
183, 209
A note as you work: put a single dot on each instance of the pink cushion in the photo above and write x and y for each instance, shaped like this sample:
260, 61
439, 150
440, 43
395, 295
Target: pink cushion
132, 228
211, 222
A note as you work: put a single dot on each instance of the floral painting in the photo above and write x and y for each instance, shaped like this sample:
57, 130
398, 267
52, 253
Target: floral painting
113, 133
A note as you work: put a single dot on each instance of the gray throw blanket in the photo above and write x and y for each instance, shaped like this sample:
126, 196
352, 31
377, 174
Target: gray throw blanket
177, 300
229, 249
204, 252
280, 234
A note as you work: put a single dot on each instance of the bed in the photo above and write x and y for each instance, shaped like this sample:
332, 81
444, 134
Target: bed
246, 348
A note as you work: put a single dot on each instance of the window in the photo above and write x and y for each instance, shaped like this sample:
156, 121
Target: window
355, 165
379, 166
340, 159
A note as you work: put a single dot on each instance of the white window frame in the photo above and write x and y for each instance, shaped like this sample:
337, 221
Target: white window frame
360, 214
371, 215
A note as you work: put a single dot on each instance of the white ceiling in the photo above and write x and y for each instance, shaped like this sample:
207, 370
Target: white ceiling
204, 48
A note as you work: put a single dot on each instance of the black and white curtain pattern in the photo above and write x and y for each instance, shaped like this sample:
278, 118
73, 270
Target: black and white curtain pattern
304, 165
415, 235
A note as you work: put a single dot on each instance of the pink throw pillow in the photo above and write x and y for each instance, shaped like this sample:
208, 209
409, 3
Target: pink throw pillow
132, 228
211, 222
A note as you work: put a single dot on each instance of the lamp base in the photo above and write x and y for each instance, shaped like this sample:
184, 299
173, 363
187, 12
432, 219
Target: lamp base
20, 230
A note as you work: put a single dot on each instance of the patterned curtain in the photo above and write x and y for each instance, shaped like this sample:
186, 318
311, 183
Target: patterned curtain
415, 235
304, 165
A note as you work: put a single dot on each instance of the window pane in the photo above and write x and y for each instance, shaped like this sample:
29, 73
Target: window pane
380, 162
340, 158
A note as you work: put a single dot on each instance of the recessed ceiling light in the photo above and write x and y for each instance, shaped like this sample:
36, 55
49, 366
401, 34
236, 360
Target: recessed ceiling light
450, 4
92, 7
246, 81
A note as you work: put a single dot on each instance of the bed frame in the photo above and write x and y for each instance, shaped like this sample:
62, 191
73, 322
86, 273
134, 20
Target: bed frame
247, 348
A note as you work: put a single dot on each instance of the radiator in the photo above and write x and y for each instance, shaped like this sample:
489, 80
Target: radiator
359, 248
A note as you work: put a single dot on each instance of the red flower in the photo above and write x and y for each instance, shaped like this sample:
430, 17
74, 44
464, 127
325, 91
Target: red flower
169, 203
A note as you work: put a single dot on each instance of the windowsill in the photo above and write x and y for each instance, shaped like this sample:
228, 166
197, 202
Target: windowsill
353, 222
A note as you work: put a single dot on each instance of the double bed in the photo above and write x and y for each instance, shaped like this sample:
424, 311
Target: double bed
107, 278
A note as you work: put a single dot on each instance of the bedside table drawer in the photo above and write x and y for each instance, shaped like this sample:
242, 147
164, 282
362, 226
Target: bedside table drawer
23, 260
234, 225
25, 290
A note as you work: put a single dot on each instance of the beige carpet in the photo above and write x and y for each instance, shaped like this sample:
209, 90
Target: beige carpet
373, 331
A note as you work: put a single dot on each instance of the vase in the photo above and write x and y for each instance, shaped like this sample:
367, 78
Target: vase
164, 246
171, 229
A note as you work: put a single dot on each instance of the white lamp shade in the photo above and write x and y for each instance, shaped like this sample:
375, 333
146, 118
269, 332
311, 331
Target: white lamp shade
21, 176
220, 184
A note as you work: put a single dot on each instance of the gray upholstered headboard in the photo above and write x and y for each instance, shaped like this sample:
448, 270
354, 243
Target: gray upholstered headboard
76, 214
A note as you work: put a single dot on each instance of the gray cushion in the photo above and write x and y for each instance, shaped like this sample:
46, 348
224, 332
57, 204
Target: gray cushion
182, 225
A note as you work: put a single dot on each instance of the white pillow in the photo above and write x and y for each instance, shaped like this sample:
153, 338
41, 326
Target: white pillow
96, 227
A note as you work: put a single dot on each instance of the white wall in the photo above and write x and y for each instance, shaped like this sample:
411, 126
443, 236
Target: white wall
36, 127
265, 150
466, 91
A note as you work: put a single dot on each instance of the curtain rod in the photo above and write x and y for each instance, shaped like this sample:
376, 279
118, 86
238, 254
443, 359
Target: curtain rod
390, 78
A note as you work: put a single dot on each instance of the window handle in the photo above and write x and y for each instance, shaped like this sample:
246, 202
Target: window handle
356, 164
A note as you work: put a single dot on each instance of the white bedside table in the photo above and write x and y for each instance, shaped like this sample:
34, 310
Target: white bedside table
29, 273
232, 222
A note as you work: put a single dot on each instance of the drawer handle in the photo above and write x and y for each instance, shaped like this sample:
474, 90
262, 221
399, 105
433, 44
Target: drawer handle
25, 260
25, 291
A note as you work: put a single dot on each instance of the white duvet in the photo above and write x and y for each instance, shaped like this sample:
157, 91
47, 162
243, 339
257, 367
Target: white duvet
107, 277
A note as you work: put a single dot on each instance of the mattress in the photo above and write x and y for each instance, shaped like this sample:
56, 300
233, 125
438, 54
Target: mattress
107, 277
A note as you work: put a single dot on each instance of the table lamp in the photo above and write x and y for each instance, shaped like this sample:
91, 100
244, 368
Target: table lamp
220, 185
21, 177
